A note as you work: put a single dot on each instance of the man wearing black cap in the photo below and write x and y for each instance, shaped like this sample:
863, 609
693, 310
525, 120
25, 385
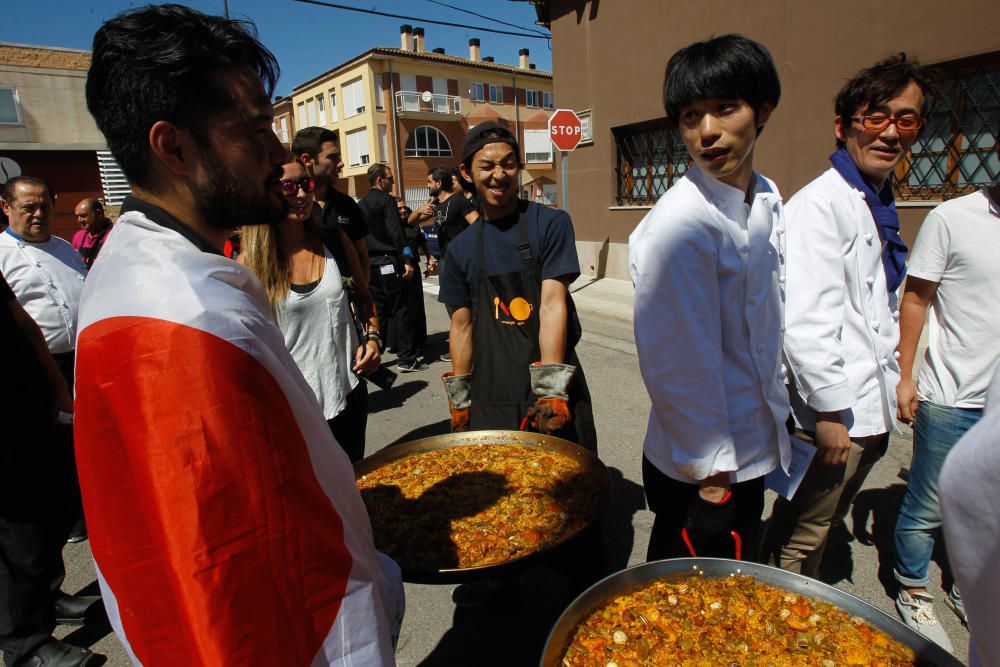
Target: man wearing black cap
514, 325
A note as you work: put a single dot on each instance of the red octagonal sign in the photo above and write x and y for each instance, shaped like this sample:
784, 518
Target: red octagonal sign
565, 129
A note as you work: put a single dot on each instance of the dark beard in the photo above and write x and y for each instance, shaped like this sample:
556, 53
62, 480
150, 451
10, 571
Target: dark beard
227, 201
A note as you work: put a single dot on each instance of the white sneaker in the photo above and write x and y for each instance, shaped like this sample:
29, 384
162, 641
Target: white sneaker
917, 611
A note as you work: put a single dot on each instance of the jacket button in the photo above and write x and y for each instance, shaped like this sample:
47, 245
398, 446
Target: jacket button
760, 348
875, 326
895, 355
868, 238
779, 231
870, 281
745, 249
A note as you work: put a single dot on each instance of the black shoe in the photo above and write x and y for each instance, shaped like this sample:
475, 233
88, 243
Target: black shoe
72, 609
55, 653
412, 367
446, 357
476, 593
78, 533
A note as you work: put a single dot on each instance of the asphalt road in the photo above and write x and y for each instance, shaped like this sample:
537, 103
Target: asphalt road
510, 628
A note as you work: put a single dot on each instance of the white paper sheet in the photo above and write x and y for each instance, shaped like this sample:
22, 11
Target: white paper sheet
787, 485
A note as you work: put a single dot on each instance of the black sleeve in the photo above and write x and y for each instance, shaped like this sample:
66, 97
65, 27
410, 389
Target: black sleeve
466, 208
393, 224
6, 293
342, 211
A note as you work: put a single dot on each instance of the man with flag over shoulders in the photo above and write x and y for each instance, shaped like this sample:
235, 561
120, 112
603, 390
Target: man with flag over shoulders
216, 540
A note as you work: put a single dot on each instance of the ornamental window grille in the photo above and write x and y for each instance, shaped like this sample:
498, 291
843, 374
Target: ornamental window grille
956, 152
651, 158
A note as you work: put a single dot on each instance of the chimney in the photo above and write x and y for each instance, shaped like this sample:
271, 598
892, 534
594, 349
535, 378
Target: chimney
532, 66
474, 49
523, 58
439, 50
418, 40
406, 37
488, 59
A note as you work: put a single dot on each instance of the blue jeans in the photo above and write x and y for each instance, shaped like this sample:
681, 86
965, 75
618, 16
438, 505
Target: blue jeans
936, 429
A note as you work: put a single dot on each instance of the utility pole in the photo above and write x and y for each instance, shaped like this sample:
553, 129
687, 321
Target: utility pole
225, 8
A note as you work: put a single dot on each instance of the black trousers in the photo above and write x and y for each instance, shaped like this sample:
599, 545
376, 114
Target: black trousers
670, 499
349, 425
388, 292
39, 502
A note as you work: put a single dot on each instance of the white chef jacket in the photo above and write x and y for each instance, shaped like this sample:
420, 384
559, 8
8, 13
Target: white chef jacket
47, 279
707, 270
841, 323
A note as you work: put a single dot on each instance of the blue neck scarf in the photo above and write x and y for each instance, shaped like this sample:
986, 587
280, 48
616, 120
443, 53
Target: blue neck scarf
883, 208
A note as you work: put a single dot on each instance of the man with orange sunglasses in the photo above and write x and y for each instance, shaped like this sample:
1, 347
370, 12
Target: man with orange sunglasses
845, 264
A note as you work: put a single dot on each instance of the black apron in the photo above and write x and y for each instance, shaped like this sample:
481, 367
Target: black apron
505, 343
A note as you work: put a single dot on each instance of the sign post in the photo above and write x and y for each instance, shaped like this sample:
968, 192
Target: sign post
565, 131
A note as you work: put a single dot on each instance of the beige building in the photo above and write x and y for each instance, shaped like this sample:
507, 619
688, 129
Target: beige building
410, 107
608, 60
46, 130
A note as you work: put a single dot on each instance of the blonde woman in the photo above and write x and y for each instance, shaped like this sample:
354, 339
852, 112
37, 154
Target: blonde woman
312, 308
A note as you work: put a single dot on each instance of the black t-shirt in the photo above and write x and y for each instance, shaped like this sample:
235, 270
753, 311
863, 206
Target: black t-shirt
342, 212
450, 219
550, 235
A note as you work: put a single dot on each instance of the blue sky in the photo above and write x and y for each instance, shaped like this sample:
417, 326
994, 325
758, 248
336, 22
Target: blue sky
307, 39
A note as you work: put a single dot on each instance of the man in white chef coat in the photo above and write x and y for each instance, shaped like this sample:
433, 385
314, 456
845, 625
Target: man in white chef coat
706, 263
845, 264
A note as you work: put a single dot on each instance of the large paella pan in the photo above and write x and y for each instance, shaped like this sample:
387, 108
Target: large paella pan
808, 606
466, 506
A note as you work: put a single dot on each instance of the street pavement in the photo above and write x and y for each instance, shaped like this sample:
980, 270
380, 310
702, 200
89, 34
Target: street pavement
511, 626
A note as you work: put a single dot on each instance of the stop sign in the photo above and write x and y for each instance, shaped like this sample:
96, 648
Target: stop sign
565, 129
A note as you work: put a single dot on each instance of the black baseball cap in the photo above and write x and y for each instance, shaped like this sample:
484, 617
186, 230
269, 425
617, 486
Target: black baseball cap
488, 132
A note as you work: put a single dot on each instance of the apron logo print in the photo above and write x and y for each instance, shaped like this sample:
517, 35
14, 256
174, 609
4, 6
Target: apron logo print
516, 313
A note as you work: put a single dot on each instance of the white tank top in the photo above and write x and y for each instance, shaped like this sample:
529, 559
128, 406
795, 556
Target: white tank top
320, 334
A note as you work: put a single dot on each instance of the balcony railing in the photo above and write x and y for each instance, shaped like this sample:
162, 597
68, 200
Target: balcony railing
410, 101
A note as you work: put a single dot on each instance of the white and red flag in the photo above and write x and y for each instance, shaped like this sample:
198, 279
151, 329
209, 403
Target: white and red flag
223, 517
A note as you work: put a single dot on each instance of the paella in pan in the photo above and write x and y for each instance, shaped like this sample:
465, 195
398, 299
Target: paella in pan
482, 502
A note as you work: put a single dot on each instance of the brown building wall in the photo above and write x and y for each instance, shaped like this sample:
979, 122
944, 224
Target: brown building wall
72, 174
816, 47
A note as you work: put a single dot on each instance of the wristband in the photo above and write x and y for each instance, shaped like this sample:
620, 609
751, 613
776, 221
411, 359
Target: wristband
374, 336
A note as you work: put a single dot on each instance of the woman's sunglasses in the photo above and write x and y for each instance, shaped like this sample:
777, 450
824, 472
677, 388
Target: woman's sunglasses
290, 187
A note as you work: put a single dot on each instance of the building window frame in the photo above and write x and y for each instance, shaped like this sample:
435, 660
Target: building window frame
548, 100
9, 91
496, 94
354, 97
650, 158
533, 99
427, 141
476, 91
533, 139
956, 151
358, 152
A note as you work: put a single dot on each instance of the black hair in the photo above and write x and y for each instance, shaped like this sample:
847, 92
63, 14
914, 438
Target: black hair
377, 171
309, 140
443, 175
876, 85
456, 175
9, 194
726, 67
164, 63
